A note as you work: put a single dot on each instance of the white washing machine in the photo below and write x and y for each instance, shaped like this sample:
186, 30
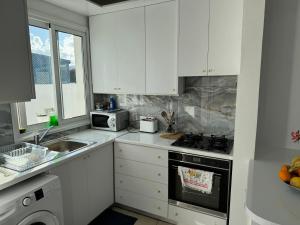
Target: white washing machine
36, 201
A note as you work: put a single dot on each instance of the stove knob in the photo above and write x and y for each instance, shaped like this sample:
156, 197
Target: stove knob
26, 201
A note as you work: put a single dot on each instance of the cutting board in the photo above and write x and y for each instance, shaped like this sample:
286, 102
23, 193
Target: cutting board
171, 136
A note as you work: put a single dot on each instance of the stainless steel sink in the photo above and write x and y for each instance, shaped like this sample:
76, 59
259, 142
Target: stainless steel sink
66, 145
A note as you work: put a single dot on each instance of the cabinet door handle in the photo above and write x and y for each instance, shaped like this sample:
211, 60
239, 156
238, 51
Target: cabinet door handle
159, 174
158, 207
159, 157
120, 150
158, 191
121, 166
176, 214
121, 182
204, 71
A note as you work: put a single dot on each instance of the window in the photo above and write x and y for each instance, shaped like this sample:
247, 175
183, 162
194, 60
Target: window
59, 68
38, 110
71, 75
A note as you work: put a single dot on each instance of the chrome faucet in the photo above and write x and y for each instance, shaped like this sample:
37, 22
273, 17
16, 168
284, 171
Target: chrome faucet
39, 137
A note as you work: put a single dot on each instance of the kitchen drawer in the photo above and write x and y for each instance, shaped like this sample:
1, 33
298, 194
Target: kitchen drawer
142, 186
142, 170
142, 154
188, 217
141, 202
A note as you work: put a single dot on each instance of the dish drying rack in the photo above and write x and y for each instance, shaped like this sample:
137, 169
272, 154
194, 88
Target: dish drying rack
22, 156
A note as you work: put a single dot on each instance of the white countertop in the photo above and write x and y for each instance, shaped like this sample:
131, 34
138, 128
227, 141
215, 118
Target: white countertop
154, 140
270, 201
103, 138
100, 137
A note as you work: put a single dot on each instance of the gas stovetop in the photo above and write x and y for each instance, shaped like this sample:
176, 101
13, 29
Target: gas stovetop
212, 143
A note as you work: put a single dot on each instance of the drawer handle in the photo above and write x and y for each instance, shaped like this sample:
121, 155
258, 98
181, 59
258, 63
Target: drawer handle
158, 207
159, 174
159, 157
120, 150
158, 191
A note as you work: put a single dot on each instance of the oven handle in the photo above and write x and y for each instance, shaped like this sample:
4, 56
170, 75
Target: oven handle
198, 164
217, 174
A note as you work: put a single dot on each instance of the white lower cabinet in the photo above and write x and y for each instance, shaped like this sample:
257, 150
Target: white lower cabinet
141, 178
142, 154
142, 202
141, 186
187, 217
142, 170
87, 185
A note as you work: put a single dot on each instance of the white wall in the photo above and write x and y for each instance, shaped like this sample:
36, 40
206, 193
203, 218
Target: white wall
279, 107
55, 13
247, 106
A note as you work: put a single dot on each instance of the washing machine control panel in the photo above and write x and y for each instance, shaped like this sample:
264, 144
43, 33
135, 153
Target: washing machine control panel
27, 201
36, 196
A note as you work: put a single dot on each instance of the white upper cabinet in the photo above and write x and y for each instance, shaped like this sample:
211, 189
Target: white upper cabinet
193, 37
103, 53
130, 45
210, 37
225, 36
161, 48
118, 52
134, 51
16, 78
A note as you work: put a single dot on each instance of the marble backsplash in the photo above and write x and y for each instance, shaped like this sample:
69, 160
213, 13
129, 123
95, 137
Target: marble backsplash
206, 106
6, 127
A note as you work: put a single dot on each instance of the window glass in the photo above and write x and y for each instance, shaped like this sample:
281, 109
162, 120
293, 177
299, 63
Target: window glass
71, 75
39, 109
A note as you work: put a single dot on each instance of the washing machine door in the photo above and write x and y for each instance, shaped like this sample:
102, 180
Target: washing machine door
40, 218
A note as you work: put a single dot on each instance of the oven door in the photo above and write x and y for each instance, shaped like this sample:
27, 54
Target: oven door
215, 203
99, 121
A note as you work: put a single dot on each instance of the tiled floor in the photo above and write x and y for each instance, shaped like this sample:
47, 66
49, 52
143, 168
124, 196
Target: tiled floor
142, 220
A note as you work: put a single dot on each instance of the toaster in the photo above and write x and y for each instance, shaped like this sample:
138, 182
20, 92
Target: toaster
148, 124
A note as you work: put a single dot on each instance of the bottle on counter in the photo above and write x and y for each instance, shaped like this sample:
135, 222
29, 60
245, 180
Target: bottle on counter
112, 103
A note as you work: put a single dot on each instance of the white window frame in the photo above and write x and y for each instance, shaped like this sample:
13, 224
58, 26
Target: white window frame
18, 109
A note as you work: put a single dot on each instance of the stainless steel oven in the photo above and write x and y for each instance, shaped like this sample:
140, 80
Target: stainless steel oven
217, 202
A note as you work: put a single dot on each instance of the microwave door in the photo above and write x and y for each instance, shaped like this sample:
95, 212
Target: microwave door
100, 121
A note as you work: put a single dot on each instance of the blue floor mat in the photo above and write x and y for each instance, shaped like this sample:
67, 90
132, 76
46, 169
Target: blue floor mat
110, 217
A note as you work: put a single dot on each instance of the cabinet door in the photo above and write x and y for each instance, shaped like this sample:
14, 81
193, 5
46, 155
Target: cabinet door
130, 46
100, 180
141, 202
142, 170
193, 37
73, 180
225, 35
189, 217
103, 53
16, 79
161, 48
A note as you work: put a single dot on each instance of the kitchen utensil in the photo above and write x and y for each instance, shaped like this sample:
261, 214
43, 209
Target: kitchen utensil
165, 116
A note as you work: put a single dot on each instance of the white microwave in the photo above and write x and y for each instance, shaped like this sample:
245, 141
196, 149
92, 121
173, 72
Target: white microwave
111, 121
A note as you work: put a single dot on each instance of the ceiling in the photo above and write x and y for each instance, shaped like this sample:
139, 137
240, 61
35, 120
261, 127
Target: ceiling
86, 8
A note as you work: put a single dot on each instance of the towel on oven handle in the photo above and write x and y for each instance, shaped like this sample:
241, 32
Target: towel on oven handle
198, 180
